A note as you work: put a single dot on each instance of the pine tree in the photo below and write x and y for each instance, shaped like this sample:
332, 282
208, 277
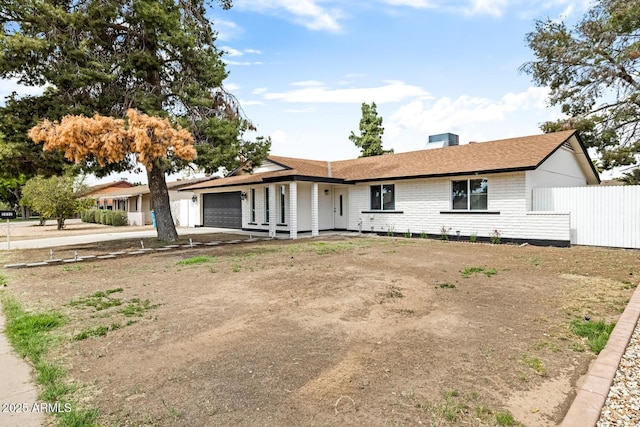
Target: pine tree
370, 139
108, 56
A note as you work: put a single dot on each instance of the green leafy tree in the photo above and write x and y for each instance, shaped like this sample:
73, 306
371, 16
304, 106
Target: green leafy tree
54, 197
631, 178
592, 71
108, 56
370, 139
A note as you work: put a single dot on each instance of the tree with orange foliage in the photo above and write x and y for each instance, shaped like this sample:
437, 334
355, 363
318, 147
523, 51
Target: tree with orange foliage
151, 141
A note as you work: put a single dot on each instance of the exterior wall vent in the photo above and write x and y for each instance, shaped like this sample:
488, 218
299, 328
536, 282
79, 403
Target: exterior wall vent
443, 140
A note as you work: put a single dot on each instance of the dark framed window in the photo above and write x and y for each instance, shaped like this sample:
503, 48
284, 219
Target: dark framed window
253, 205
470, 194
283, 193
266, 204
383, 197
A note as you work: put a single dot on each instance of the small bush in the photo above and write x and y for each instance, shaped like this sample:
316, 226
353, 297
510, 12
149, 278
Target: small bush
119, 218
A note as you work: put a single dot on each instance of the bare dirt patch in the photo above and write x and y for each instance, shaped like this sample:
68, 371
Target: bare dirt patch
361, 331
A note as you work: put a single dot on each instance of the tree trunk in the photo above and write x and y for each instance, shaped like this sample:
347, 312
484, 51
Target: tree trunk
160, 205
60, 222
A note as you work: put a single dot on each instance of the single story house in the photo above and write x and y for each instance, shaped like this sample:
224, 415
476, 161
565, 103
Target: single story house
103, 190
136, 201
475, 189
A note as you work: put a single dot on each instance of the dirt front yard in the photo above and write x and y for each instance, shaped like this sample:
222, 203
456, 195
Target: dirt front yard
337, 331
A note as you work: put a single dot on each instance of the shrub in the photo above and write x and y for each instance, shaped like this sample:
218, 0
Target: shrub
103, 217
119, 218
97, 216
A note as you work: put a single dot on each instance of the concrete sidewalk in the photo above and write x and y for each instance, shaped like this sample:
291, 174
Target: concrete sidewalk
18, 394
102, 237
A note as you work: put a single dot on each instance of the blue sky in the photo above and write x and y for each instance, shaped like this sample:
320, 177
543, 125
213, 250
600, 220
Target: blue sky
302, 68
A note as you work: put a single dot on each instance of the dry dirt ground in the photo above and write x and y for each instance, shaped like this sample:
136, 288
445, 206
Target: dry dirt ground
330, 331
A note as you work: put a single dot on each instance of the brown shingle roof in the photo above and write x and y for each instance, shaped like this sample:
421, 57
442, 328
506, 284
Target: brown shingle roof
107, 187
523, 153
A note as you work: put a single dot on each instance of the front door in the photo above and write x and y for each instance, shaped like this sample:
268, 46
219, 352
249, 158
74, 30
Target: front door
340, 204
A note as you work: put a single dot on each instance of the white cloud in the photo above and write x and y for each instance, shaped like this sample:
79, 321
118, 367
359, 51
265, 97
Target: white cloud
446, 114
8, 86
528, 8
300, 110
419, 4
259, 90
279, 137
307, 83
254, 51
392, 91
229, 51
231, 87
243, 63
304, 12
244, 103
486, 7
226, 30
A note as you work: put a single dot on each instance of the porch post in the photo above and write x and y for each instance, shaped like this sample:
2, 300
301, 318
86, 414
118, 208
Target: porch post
293, 210
273, 215
314, 210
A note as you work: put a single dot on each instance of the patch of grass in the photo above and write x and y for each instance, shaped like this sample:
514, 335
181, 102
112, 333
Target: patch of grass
3, 280
323, 248
596, 332
263, 250
546, 344
27, 332
30, 334
446, 285
626, 284
79, 418
137, 308
72, 268
469, 271
505, 419
100, 331
577, 347
199, 259
406, 311
534, 363
99, 300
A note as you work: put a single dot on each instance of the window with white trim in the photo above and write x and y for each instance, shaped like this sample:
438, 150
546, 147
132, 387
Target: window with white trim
383, 197
470, 194
253, 205
283, 194
266, 205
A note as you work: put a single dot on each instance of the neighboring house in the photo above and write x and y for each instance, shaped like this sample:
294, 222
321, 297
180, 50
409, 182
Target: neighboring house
136, 201
103, 190
463, 190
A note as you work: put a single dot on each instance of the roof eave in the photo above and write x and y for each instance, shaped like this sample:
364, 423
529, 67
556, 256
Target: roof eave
442, 175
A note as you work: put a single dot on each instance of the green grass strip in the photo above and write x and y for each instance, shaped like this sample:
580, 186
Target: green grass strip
200, 259
596, 332
30, 336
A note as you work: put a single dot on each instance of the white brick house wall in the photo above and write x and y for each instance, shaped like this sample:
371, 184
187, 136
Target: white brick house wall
425, 206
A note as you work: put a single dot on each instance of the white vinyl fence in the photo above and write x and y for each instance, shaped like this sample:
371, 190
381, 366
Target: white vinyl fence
600, 216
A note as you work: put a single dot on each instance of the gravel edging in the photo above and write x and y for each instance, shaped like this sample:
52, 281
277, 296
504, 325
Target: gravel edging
588, 408
622, 407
